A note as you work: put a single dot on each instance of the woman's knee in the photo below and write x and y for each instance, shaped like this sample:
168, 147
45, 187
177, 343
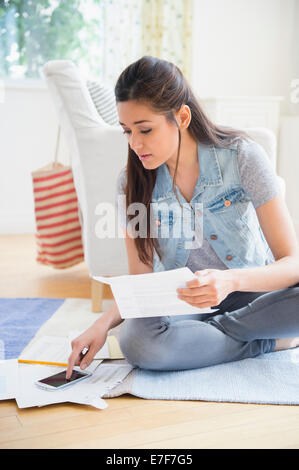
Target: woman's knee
141, 342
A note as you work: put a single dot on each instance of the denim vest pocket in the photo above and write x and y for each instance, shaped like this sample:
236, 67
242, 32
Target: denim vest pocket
228, 201
231, 208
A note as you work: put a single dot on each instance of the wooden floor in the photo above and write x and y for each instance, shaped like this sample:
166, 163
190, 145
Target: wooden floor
128, 422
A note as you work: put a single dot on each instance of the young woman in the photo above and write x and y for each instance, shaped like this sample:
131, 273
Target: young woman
248, 263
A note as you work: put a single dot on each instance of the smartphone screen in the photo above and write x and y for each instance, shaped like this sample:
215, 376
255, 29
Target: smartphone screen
59, 379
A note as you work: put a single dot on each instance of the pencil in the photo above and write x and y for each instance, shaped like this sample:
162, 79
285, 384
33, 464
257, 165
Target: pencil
43, 363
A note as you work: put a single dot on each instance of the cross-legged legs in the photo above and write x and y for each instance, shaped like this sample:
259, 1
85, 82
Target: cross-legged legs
247, 324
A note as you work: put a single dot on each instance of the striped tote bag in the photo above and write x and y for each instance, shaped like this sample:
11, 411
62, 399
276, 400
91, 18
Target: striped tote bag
58, 226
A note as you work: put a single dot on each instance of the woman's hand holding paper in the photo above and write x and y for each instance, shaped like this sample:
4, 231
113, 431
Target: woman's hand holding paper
209, 289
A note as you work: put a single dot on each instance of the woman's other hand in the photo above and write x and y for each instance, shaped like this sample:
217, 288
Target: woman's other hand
92, 339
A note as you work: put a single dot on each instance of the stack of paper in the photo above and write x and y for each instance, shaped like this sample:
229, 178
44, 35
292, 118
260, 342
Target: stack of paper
18, 376
47, 350
89, 391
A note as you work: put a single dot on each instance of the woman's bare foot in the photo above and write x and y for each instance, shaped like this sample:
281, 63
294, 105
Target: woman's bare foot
286, 343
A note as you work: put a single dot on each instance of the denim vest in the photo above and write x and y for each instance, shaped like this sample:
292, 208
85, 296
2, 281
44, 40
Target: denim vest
228, 217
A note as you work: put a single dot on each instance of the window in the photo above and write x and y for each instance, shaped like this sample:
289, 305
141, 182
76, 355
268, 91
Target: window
35, 31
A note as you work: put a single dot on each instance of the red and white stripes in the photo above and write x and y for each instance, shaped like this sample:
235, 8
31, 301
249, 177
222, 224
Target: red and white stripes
58, 226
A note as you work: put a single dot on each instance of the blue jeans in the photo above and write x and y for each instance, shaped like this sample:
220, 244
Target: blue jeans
247, 324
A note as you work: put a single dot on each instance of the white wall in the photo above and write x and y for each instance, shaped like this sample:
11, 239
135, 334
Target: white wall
244, 47
241, 47
28, 129
295, 58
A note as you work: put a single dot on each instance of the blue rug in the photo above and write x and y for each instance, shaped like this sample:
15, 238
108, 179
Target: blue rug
20, 319
271, 378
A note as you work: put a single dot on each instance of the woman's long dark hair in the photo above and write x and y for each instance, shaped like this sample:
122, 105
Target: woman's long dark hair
162, 86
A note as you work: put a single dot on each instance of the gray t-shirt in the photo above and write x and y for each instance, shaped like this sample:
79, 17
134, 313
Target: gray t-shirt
259, 180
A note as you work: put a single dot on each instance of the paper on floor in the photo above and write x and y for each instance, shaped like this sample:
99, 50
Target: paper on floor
88, 391
8, 379
28, 394
104, 378
152, 294
48, 349
56, 349
114, 348
107, 376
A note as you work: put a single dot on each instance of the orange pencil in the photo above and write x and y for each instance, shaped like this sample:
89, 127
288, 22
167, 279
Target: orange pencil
43, 363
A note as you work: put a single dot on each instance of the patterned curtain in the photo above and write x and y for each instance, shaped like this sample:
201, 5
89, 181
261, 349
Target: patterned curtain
167, 32
133, 28
120, 26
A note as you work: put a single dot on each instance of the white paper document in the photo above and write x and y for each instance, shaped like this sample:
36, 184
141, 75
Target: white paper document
28, 394
48, 349
57, 349
8, 378
88, 391
152, 294
107, 376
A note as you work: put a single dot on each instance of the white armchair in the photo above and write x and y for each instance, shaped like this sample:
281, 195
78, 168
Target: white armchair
98, 153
